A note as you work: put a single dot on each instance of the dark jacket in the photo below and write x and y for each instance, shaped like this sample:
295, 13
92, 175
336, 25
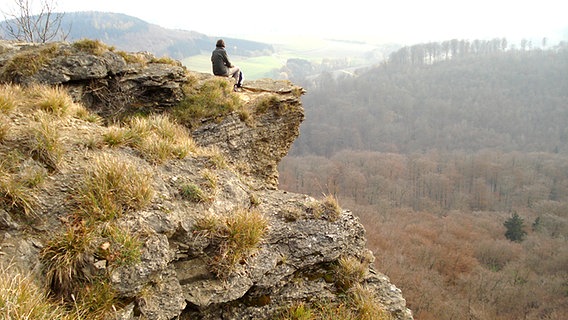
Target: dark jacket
220, 62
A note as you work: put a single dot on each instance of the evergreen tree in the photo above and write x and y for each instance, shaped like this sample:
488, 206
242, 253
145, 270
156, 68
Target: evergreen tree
515, 228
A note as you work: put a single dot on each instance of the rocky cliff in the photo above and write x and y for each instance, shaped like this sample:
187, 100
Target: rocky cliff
190, 224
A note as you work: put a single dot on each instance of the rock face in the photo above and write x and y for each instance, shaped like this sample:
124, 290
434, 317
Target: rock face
298, 258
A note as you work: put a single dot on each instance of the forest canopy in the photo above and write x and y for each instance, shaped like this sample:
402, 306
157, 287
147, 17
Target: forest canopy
512, 100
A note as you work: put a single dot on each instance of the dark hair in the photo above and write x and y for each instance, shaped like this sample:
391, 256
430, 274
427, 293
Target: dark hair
220, 43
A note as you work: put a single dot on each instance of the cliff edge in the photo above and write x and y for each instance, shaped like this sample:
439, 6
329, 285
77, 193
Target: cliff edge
135, 189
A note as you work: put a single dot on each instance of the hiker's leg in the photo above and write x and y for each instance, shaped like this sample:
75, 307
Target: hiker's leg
234, 72
240, 81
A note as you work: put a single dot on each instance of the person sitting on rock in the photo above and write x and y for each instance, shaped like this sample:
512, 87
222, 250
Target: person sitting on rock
223, 67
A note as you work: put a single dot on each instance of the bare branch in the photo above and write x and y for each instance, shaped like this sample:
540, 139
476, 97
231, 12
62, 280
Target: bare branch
22, 24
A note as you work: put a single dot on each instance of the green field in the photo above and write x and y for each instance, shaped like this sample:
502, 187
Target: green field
253, 68
313, 50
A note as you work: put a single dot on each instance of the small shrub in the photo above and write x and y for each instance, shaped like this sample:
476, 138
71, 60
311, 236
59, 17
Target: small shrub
239, 235
112, 187
193, 193
21, 298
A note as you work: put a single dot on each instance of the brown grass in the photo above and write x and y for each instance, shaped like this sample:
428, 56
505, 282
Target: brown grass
44, 141
157, 137
214, 99
349, 272
65, 255
113, 186
22, 299
239, 235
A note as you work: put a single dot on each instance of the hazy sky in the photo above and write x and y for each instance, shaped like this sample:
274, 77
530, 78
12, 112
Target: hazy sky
408, 21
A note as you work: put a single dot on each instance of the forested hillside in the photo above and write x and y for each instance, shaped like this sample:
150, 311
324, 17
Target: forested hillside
511, 100
435, 150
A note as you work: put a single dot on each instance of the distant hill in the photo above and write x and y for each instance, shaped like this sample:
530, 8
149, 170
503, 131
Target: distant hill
133, 34
513, 101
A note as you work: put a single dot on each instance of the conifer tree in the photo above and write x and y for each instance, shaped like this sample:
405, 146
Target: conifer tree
515, 228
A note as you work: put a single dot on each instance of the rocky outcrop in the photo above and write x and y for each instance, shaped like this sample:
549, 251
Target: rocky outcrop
298, 257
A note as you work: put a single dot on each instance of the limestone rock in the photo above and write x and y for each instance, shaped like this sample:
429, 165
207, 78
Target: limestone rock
173, 278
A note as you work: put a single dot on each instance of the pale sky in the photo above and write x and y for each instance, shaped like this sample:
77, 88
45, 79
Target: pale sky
406, 21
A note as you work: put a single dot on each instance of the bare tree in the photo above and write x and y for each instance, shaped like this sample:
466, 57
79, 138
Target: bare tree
25, 25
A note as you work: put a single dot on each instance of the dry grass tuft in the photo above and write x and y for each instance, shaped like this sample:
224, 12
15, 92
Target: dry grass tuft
10, 97
123, 246
157, 138
4, 128
360, 303
239, 235
161, 138
216, 158
15, 194
97, 300
44, 141
214, 99
297, 311
331, 207
95, 47
112, 187
22, 299
349, 272
366, 305
64, 257
53, 100
327, 209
